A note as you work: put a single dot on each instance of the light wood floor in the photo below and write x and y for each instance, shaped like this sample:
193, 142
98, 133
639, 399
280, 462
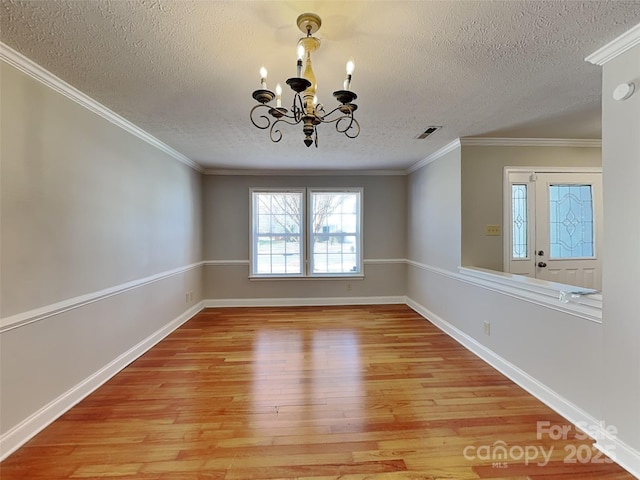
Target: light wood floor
371, 392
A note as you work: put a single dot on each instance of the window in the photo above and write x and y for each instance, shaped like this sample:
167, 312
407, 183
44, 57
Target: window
277, 233
519, 224
571, 221
335, 230
317, 234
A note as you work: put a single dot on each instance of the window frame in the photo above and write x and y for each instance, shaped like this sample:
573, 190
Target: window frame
305, 233
253, 234
358, 233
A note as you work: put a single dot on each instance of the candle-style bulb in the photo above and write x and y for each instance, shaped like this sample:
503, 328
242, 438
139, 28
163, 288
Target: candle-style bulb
350, 68
263, 78
300, 57
278, 96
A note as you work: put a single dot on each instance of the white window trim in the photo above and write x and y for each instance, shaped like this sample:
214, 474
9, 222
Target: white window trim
306, 274
308, 261
252, 233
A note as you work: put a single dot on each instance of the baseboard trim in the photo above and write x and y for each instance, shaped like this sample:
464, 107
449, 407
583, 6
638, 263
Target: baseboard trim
35, 423
622, 454
299, 302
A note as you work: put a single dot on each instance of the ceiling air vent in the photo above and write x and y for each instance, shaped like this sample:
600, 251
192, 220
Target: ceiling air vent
427, 132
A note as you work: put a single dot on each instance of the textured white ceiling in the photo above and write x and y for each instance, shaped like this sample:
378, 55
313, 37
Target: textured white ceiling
184, 70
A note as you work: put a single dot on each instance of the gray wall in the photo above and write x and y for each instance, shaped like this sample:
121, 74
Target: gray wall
539, 341
482, 191
227, 234
433, 213
85, 206
621, 267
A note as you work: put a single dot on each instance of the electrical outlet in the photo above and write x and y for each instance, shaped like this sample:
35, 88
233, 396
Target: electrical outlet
487, 328
348, 287
492, 230
186, 297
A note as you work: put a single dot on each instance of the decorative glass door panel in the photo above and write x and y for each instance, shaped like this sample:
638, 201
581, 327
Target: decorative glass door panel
568, 213
571, 225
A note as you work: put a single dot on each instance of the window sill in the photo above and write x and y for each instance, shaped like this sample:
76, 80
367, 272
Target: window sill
358, 276
582, 302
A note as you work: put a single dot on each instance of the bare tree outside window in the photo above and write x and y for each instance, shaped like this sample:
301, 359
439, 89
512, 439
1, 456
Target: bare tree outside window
279, 232
335, 245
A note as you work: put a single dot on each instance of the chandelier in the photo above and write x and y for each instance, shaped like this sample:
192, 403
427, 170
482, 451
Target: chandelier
305, 108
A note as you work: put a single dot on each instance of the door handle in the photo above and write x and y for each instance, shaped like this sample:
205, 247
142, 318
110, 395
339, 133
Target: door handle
542, 264
540, 253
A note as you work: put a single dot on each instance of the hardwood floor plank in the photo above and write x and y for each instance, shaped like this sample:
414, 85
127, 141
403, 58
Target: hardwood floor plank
313, 393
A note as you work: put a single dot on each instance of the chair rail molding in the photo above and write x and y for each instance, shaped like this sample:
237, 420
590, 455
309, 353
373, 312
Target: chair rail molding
38, 314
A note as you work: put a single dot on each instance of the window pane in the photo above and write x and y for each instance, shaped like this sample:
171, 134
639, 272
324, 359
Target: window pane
264, 223
277, 219
335, 232
571, 221
519, 226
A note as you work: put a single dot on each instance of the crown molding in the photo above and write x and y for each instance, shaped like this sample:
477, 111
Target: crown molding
530, 142
434, 156
35, 71
618, 46
309, 173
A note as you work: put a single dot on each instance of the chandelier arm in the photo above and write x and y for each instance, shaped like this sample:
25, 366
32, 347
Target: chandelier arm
349, 125
267, 119
353, 124
320, 113
325, 118
297, 108
284, 117
277, 131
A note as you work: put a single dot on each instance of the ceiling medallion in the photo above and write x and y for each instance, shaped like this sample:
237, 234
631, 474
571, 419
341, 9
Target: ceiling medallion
305, 108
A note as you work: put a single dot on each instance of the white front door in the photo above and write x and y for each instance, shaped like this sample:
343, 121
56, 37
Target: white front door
568, 228
555, 226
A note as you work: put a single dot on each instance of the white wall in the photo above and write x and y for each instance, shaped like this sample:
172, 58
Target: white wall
227, 234
482, 191
86, 209
620, 384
